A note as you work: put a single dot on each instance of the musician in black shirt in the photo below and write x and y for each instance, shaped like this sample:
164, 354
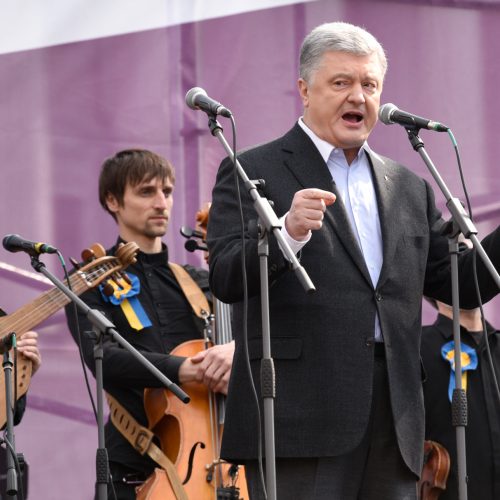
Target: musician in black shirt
136, 187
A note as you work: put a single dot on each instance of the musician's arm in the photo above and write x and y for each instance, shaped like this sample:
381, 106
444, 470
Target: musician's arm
119, 366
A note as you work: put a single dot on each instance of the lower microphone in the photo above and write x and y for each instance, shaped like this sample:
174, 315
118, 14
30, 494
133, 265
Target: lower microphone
14, 243
192, 246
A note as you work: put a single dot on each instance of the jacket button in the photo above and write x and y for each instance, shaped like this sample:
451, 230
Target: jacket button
378, 296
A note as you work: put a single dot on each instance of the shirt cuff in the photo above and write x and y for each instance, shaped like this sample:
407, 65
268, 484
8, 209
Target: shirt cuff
295, 245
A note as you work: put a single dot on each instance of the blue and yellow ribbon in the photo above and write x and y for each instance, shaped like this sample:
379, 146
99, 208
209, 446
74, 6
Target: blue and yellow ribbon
468, 361
125, 295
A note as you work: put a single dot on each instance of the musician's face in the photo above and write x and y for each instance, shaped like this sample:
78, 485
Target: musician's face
145, 211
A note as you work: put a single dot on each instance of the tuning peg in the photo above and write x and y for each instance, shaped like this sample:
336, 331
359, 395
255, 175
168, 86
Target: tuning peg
94, 252
76, 265
88, 255
125, 277
98, 249
108, 289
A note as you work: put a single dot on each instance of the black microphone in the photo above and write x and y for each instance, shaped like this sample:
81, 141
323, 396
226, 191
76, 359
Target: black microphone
192, 245
14, 243
197, 98
389, 114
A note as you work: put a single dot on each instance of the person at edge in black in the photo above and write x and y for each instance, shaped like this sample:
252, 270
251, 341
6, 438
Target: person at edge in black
136, 187
349, 412
27, 346
482, 433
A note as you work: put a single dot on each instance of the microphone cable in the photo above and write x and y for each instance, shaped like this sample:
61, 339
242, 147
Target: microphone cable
245, 309
474, 269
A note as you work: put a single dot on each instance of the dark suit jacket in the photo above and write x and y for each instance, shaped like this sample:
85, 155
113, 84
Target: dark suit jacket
323, 343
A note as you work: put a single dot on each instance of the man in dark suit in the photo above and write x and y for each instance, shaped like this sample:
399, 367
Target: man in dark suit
349, 418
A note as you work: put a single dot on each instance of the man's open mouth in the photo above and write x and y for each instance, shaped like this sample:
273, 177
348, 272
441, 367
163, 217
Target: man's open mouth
352, 117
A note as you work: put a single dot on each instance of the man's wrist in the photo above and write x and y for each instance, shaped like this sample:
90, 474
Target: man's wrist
295, 245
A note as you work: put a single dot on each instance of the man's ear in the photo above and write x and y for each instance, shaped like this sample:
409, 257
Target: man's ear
303, 91
112, 203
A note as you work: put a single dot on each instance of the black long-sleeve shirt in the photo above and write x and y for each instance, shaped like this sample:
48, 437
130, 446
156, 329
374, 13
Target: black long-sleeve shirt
173, 322
482, 433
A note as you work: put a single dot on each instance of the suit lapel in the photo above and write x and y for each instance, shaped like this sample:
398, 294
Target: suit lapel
389, 210
304, 161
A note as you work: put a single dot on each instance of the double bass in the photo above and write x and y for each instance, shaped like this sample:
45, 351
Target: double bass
190, 434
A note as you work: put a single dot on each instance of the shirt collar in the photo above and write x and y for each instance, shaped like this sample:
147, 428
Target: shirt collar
443, 324
325, 148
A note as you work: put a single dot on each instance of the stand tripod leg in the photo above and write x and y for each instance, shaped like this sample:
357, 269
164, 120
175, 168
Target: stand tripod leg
102, 467
9, 432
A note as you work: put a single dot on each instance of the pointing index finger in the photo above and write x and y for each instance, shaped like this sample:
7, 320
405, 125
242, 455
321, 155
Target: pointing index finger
314, 193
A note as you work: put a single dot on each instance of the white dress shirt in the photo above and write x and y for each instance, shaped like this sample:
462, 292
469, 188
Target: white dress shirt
355, 187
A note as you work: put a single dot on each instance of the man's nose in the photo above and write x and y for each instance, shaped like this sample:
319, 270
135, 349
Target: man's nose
357, 95
160, 200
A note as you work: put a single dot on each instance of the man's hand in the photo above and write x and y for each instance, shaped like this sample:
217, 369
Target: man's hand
307, 212
27, 345
211, 367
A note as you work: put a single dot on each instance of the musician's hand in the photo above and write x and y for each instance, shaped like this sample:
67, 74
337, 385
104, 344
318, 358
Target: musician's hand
307, 212
211, 367
27, 345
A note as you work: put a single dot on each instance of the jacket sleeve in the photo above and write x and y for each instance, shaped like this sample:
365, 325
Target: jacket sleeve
226, 239
438, 271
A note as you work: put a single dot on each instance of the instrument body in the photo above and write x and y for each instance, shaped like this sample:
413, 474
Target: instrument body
190, 436
435, 471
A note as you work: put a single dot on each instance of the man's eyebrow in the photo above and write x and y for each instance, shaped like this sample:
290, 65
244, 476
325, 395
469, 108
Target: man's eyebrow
342, 75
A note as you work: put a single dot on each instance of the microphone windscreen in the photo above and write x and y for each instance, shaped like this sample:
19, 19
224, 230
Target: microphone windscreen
191, 96
385, 112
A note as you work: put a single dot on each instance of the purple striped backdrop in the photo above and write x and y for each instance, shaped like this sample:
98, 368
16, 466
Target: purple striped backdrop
65, 108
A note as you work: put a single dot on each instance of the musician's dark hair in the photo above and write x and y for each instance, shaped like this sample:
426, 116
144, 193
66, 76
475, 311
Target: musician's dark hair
131, 167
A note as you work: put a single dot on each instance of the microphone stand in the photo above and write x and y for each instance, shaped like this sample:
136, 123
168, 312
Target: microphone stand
102, 326
268, 222
461, 223
10, 448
